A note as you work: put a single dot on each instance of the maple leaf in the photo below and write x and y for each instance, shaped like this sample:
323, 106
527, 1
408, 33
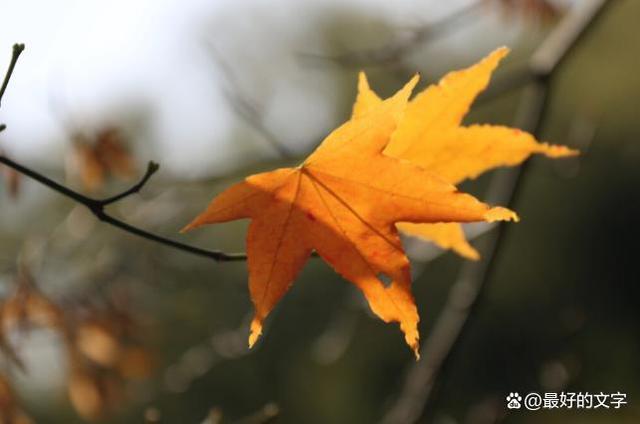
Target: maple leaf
343, 202
430, 135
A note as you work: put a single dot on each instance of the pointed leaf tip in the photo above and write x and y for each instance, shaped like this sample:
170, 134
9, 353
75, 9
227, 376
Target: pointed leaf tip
415, 347
500, 52
557, 151
467, 251
413, 82
501, 214
363, 81
406, 91
256, 332
189, 227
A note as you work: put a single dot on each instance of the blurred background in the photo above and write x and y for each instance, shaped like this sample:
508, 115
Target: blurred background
97, 325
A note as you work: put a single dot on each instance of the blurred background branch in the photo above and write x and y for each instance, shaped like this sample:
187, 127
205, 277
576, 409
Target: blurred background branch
420, 383
394, 51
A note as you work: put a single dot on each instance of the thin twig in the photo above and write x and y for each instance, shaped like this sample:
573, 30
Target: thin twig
17, 50
152, 168
463, 301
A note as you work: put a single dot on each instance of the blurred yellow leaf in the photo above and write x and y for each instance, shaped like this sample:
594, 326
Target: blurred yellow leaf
86, 395
97, 157
98, 343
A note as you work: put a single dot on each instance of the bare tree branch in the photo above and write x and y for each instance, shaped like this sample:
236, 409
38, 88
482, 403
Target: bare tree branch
97, 206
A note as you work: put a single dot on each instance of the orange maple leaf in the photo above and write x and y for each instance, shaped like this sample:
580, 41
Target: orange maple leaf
343, 202
430, 135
